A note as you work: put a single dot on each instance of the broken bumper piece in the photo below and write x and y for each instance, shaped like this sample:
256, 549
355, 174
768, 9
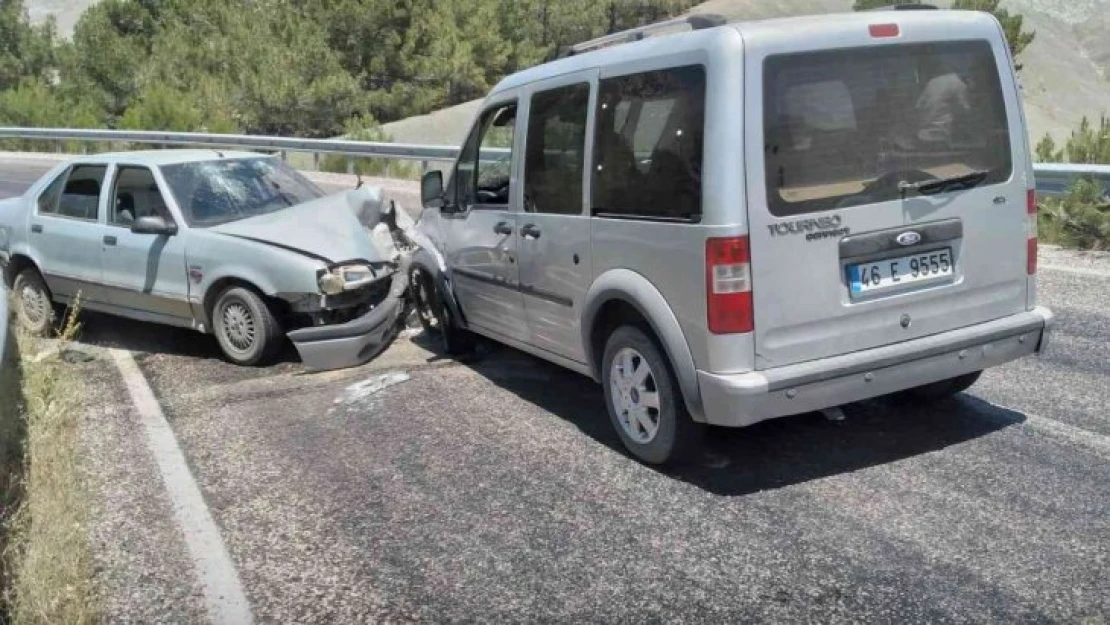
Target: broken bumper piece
355, 342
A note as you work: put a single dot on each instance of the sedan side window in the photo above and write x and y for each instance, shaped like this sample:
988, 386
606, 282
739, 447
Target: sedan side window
80, 197
483, 172
48, 201
136, 195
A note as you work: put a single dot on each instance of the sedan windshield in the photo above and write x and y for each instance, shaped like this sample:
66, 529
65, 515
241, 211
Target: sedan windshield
216, 192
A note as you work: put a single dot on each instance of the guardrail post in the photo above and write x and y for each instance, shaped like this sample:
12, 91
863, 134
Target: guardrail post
284, 156
423, 167
350, 165
315, 161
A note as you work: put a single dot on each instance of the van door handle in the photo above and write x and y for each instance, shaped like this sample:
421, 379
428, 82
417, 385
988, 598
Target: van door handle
531, 231
36, 228
109, 239
503, 227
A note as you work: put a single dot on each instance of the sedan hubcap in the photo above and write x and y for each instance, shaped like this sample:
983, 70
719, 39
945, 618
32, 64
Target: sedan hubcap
635, 395
238, 326
34, 304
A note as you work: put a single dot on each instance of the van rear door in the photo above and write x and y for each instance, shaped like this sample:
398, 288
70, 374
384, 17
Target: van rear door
887, 176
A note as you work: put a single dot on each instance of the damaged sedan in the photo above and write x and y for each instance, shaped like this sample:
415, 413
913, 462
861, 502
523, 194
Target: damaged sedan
234, 244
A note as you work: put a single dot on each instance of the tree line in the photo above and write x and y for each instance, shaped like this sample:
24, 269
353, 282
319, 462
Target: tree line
284, 67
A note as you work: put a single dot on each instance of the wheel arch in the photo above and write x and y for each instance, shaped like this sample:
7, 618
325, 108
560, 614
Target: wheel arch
622, 296
431, 263
17, 263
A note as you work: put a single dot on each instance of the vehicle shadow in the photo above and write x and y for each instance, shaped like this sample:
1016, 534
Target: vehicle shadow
109, 331
768, 455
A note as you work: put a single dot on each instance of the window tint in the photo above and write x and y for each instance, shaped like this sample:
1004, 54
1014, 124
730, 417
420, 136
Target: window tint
485, 180
648, 146
556, 142
48, 201
80, 197
845, 127
136, 196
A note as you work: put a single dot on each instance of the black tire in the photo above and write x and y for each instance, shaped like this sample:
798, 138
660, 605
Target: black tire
944, 388
435, 316
245, 327
34, 303
676, 436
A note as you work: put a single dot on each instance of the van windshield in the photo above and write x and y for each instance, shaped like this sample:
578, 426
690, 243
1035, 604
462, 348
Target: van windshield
859, 126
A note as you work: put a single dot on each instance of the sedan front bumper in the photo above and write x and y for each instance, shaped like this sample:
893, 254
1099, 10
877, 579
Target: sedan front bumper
355, 342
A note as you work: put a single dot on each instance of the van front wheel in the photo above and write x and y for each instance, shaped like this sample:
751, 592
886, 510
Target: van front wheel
643, 398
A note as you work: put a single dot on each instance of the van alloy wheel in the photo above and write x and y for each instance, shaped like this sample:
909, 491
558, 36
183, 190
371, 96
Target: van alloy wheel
635, 396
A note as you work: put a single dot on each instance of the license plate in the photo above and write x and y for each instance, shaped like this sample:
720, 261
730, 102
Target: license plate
897, 273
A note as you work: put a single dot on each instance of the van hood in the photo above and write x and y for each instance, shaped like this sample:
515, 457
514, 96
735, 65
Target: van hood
327, 229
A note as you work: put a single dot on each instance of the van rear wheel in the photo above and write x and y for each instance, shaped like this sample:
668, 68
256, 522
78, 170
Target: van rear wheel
944, 388
644, 401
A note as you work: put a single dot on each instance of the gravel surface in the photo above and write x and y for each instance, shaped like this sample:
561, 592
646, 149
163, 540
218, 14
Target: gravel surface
141, 568
496, 490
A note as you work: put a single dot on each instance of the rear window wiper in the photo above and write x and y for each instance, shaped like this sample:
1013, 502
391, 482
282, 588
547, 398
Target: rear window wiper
930, 187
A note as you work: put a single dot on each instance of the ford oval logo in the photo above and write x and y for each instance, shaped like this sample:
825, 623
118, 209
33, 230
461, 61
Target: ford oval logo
908, 238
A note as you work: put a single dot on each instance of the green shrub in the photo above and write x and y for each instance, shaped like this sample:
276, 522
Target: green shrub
366, 128
1080, 219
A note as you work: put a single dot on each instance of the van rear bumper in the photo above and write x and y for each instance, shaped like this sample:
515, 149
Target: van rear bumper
746, 398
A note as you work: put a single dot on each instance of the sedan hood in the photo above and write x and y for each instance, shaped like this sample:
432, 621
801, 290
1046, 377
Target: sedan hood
327, 228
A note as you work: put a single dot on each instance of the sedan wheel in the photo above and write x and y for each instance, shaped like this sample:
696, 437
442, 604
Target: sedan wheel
247, 331
35, 310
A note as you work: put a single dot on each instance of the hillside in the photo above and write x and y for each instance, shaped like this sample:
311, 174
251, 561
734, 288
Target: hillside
1065, 75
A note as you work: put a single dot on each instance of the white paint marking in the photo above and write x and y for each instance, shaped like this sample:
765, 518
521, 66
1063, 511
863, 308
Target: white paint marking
361, 390
223, 592
1100, 443
1079, 271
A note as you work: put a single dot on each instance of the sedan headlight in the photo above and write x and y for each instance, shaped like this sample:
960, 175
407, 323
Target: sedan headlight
345, 278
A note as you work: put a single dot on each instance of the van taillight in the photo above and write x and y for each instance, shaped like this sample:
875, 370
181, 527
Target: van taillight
1031, 230
728, 285
881, 31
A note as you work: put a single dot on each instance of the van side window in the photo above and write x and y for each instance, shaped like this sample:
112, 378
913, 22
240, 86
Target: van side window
554, 158
846, 127
80, 198
483, 173
648, 146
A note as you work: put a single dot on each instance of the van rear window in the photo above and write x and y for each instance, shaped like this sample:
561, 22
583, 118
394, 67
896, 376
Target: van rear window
846, 127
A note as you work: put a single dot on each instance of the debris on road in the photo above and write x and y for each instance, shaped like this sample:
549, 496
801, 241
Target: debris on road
364, 389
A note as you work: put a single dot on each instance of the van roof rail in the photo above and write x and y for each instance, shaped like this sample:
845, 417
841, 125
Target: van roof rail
906, 6
697, 21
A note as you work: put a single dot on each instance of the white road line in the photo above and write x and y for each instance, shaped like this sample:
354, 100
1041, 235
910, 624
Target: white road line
1079, 271
223, 592
1099, 443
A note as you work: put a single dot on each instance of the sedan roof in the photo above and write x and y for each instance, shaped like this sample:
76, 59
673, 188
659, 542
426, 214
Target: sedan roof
158, 158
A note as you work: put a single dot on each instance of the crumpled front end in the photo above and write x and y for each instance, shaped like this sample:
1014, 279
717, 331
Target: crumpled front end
363, 305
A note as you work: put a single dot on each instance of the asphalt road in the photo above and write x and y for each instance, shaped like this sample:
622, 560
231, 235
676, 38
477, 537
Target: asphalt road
495, 490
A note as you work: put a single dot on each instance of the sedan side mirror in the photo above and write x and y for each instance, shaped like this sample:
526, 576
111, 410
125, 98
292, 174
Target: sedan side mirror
154, 224
431, 189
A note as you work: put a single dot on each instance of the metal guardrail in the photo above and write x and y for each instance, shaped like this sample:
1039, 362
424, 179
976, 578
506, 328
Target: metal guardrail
1055, 176
343, 147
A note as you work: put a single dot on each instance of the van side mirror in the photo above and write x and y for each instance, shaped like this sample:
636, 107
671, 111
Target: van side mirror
431, 190
154, 224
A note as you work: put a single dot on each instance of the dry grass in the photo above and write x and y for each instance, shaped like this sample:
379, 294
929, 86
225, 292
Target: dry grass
48, 555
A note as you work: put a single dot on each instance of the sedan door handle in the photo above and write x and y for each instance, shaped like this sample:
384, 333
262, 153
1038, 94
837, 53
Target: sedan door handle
503, 227
531, 231
109, 239
36, 228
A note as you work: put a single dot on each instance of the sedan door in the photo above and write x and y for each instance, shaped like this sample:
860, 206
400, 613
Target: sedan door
144, 274
481, 227
65, 233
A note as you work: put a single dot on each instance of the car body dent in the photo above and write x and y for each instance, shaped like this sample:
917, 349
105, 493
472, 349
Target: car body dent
321, 229
633, 288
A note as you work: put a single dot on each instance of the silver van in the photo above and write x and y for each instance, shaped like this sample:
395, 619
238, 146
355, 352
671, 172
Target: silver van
747, 221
